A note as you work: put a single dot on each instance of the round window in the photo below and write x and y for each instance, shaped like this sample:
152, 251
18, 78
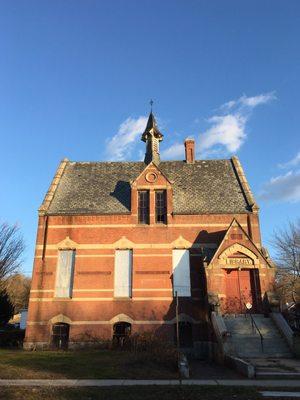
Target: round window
151, 177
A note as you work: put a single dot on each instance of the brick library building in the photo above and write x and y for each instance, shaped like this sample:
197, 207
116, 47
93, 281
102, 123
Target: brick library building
119, 243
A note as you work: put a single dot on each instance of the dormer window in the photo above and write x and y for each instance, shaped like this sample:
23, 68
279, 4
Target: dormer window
161, 206
143, 207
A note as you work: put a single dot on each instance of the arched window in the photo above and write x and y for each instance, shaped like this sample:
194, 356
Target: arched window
60, 335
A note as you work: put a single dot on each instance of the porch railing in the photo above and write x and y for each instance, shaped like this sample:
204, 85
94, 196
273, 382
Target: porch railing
254, 326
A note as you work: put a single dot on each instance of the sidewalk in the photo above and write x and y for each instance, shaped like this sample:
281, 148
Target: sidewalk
130, 382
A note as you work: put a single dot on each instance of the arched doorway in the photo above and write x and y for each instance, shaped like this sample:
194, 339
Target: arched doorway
60, 335
121, 333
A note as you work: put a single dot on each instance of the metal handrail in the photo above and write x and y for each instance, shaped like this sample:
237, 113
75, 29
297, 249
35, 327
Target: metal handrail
254, 325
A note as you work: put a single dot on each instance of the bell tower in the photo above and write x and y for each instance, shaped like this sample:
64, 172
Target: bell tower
152, 136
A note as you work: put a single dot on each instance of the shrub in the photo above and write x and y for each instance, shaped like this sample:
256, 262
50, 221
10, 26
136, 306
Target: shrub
6, 308
11, 337
88, 339
154, 349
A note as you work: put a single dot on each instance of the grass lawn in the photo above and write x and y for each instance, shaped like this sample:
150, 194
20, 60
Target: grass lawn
94, 364
132, 393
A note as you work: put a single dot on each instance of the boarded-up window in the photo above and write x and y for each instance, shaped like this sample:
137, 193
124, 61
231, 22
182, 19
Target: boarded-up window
181, 273
123, 273
64, 274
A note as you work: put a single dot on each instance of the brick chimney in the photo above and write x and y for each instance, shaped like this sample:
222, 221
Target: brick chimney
189, 145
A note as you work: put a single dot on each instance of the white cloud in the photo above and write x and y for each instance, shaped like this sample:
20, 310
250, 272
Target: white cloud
292, 163
227, 106
283, 188
175, 151
257, 100
249, 102
121, 144
228, 128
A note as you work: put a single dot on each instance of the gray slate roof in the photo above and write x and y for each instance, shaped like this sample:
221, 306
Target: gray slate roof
207, 186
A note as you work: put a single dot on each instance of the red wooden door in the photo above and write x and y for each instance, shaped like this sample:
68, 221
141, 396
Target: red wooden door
232, 299
238, 290
245, 285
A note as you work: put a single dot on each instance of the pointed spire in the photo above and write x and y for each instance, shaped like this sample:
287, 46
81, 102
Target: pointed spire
151, 129
152, 136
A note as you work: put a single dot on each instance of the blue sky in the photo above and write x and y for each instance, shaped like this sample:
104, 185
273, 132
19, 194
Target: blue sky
76, 76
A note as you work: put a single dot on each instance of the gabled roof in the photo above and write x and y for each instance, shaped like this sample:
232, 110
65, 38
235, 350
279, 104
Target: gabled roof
250, 246
207, 186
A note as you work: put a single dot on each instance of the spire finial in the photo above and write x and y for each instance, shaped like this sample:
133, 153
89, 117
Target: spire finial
151, 104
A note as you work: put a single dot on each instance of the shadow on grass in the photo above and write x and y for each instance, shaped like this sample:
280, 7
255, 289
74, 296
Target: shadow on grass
132, 393
97, 364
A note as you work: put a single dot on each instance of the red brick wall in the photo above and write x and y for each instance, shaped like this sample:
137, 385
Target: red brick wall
94, 270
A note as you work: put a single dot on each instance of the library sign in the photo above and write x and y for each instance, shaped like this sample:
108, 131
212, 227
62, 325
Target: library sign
239, 262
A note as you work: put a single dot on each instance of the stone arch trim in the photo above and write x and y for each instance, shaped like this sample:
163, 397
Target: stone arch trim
237, 248
60, 318
121, 318
67, 244
181, 243
123, 244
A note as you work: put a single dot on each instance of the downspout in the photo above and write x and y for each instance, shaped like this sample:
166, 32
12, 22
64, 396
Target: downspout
249, 226
45, 234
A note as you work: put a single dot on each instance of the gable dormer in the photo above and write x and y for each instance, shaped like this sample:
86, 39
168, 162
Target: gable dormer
151, 197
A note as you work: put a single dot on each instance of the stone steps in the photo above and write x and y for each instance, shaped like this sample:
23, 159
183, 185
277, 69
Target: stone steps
251, 333
272, 374
276, 368
245, 342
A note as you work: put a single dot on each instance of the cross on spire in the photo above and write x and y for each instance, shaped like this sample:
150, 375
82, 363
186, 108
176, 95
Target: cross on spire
151, 104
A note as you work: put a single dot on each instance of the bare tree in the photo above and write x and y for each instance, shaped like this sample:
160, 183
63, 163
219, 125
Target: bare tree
18, 287
11, 249
287, 245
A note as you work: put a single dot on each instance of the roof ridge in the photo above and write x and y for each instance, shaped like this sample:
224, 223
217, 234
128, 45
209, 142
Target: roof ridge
106, 162
244, 183
142, 162
53, 186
